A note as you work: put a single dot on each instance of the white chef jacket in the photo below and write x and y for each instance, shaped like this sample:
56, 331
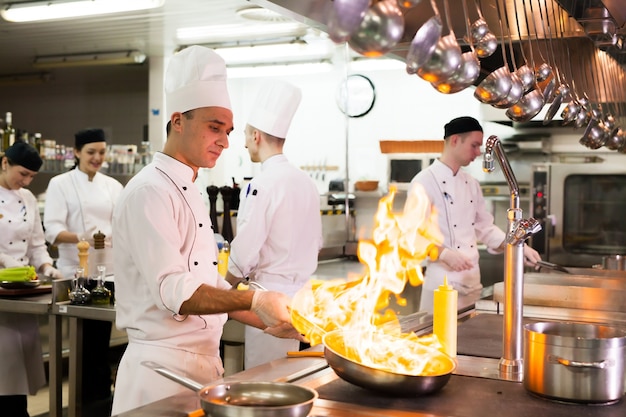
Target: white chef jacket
75, 204
279, 235
464, 220
21, 362
164, 250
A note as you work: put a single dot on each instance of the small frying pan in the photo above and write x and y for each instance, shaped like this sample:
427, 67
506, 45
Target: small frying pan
246, 399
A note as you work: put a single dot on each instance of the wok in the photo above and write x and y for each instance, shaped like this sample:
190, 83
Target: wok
246, 399
379, 380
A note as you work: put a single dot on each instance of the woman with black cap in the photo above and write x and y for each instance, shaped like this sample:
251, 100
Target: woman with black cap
22, 244
80, 203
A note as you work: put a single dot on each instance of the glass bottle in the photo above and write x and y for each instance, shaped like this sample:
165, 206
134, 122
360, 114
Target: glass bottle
8, 136
101, 295
79, 294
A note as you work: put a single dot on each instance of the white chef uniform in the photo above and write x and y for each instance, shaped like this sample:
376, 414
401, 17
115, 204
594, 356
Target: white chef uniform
151, 284
21, 362
279, 235
279, 226
464, 221
75, 204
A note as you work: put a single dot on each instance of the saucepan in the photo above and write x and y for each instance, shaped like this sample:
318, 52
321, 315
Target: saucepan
575, 362
380, 380
246, 399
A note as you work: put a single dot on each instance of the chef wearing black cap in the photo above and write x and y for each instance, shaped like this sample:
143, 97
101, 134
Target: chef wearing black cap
462, 213
22, 243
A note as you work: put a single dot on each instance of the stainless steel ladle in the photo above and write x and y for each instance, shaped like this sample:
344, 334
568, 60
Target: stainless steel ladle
345, 18
380, 30
424, 42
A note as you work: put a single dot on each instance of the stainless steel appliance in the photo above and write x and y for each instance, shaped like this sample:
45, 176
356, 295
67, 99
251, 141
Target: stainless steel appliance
581, 207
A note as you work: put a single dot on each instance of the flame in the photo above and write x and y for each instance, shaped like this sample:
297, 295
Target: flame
372, 335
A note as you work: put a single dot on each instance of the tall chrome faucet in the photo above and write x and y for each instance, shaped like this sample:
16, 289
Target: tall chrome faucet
518, 230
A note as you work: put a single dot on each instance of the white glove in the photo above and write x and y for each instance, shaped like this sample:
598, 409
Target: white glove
9, 261
531, 256
285, 331
272, 307
51, 271
455, 260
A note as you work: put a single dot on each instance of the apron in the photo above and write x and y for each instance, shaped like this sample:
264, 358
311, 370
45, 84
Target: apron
141, 385
21, 363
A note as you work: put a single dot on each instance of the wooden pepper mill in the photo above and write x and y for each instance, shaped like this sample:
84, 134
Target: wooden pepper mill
98, 240
227, 227
83, 255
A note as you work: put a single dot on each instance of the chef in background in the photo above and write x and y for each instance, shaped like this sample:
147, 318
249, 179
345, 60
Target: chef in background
170, 300
22, 243
80, 203
279, 226
462, 213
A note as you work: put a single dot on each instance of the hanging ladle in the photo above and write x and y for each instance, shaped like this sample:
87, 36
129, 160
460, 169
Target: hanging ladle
468, 71
445, 59
485, 42
563, 90
345, 18
424, 42
531, 102
517, 88
381, 29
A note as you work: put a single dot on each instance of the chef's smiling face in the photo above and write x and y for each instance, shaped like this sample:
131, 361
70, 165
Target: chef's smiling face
205, 135
91, 157
14, 177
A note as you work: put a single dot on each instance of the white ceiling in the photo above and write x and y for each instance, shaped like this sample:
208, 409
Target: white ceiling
153, 32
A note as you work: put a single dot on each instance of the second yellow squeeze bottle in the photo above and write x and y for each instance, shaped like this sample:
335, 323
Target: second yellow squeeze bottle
445, 317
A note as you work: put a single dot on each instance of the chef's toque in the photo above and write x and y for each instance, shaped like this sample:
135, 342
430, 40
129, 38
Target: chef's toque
274, 108
195, 78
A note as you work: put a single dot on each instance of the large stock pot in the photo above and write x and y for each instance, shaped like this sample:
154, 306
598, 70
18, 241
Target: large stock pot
575, 362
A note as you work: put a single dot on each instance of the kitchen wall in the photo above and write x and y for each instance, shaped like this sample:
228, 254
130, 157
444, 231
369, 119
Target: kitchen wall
406, 107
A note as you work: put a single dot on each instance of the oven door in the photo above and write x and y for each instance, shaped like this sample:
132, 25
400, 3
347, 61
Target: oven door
581, 207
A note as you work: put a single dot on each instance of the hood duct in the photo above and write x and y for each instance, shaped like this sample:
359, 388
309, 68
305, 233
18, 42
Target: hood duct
572, 31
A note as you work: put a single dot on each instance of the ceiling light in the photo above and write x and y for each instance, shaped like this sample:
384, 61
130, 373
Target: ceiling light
63, 9
89, 59
279, 70
238, 32
297, 51
258, 13
26, 78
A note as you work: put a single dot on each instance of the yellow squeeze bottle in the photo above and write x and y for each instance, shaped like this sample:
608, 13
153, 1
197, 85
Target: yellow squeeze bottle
222, 259
445, 317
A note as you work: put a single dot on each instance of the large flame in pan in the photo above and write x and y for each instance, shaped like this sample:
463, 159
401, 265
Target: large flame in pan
360, 307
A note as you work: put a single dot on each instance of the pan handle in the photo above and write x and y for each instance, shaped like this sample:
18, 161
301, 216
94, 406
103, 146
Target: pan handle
577, 364
187, 382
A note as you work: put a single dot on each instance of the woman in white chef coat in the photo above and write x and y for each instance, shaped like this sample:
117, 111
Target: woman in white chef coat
22, 243
80, 203
279, 226
462, 213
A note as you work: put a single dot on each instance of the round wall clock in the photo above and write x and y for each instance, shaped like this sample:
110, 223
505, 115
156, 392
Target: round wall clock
356, 95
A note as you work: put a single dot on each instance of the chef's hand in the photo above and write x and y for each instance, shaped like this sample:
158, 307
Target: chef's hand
88, 235
531, 256
285, 331
455, 260
9, 261
51, 271
272, 307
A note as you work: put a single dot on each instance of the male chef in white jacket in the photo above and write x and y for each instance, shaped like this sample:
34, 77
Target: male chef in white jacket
279, 226
462, 213
170, 298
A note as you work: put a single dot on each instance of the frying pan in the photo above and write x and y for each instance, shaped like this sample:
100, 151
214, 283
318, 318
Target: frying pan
379, 380
246, 399
596, 272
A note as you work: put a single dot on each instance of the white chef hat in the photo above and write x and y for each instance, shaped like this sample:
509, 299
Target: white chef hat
274, 108
195, 77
